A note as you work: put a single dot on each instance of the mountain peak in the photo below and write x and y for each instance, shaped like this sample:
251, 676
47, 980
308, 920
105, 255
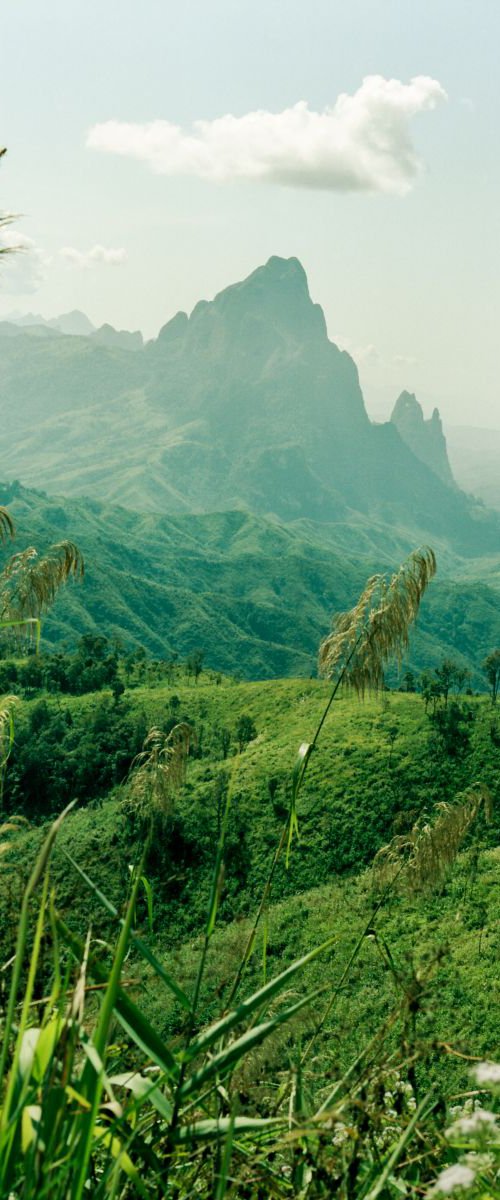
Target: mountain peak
277, 274
425, 438
275, 297
407, 407
289, 269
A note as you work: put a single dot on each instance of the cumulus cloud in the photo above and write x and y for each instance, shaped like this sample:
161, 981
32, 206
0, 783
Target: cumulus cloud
362, 143
97, 256
24, 270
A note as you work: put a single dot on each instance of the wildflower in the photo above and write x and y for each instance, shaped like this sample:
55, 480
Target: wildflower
341, 1134
452, 1179
478, 1161
487, 1073
480, 1122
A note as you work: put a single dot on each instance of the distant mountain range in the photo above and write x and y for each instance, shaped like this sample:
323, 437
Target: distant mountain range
72, 324
244, 404
237, 492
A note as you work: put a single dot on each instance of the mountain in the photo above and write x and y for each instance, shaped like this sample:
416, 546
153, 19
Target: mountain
106, 335
74, 323
12, 329
425, 438
244, 404
255, 594
475, 458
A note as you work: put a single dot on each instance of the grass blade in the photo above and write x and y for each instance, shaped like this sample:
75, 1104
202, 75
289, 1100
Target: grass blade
260, 998
137, 941
230, 1055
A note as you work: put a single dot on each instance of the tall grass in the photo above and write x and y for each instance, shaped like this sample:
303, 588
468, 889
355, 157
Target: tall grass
95, 1102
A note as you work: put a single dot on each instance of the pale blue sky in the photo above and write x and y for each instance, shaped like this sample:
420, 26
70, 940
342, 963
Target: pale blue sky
409, 283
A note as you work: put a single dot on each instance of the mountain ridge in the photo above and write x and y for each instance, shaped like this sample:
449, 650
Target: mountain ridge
246, 403
256, 594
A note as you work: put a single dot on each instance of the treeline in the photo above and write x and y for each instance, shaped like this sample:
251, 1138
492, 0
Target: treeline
99, 663
96, 664
62, 750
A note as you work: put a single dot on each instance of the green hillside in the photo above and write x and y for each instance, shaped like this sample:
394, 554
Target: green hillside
398, 993
381, 765
254, 594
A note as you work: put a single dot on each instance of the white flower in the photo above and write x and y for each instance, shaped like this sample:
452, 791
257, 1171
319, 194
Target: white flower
478, 1161
452, 1179
479, 1122
487, 1073
341, 1134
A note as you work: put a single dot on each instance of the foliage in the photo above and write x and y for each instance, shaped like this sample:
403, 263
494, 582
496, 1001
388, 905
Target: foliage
245, 731
143, 1073
491, 668
256, 595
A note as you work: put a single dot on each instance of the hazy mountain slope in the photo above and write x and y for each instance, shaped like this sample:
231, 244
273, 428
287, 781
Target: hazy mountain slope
244, 404
475, 458
256, 595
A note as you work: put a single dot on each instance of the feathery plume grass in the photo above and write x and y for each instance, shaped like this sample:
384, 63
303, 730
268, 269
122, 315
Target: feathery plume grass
422, 858
364, 639
361, 643
7, 219
158, 771
29, 583
7, 527
7, 706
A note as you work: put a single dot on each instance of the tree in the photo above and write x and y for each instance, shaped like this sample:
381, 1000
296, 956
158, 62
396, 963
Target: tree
245, 731
491, 668
429, 689
223, 735
409, 681
194, 664
446, 675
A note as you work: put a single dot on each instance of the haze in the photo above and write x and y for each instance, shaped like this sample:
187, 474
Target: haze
159, 154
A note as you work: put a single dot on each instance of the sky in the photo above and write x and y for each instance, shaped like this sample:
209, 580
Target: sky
159, 152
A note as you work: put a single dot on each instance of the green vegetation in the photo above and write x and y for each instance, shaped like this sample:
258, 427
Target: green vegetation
254, 595
251, 954
314, 1040
380, 765
190, 1108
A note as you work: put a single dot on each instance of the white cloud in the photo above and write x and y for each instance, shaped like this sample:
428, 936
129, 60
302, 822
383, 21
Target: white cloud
405, 360
367, 354
362, 143
97, 256
23, 271
361, 354
370, 356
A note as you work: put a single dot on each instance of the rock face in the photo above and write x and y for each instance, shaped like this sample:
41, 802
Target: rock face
425, 438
